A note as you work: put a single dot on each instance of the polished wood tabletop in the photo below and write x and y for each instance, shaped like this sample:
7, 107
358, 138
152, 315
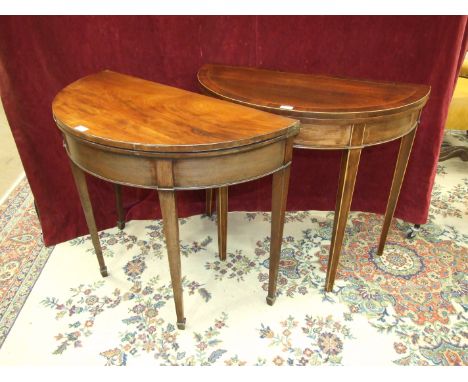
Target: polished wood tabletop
130, 131
309, 95
335, 113
128, 112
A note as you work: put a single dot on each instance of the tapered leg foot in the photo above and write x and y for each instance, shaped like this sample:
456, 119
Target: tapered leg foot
181, 325
348, 173
104, 272
270, 300
120, 224
221, 218
403, 156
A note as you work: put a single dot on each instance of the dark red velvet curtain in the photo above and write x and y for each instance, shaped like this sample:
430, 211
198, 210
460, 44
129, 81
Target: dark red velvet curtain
41, 55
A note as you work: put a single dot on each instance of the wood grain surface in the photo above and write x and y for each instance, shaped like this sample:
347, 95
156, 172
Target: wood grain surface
122, 111
309, 95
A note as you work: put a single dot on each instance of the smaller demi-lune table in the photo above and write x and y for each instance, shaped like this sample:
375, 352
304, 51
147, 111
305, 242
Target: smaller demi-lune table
335, 113
134, 132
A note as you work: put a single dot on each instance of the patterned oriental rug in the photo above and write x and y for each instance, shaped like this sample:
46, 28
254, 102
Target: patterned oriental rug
408, 307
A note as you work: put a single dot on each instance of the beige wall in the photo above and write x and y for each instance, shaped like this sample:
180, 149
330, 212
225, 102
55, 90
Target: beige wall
10, 165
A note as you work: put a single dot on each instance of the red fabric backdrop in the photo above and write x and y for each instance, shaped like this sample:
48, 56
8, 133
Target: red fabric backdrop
41, 55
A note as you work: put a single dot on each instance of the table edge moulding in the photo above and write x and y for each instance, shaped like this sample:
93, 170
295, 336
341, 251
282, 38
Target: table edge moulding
335, 113
134, 132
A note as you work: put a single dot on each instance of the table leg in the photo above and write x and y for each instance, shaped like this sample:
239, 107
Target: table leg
209, 201
119, 206
221, 218
348, 173
278, 208
82, 187
167, 201
403, 156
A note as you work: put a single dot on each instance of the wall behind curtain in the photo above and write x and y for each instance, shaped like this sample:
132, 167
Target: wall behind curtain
40, 55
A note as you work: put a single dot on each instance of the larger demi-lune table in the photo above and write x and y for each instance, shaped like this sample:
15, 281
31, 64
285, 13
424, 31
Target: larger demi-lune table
335, 113
140, 133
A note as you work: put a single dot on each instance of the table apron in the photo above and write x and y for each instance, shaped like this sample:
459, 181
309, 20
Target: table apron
329, 135
187, 173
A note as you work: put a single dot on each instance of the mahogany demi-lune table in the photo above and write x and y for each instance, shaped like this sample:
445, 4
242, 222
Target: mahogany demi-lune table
335, 113
134, 132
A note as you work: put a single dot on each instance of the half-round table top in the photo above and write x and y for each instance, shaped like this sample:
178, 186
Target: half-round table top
126, 112
300, 95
